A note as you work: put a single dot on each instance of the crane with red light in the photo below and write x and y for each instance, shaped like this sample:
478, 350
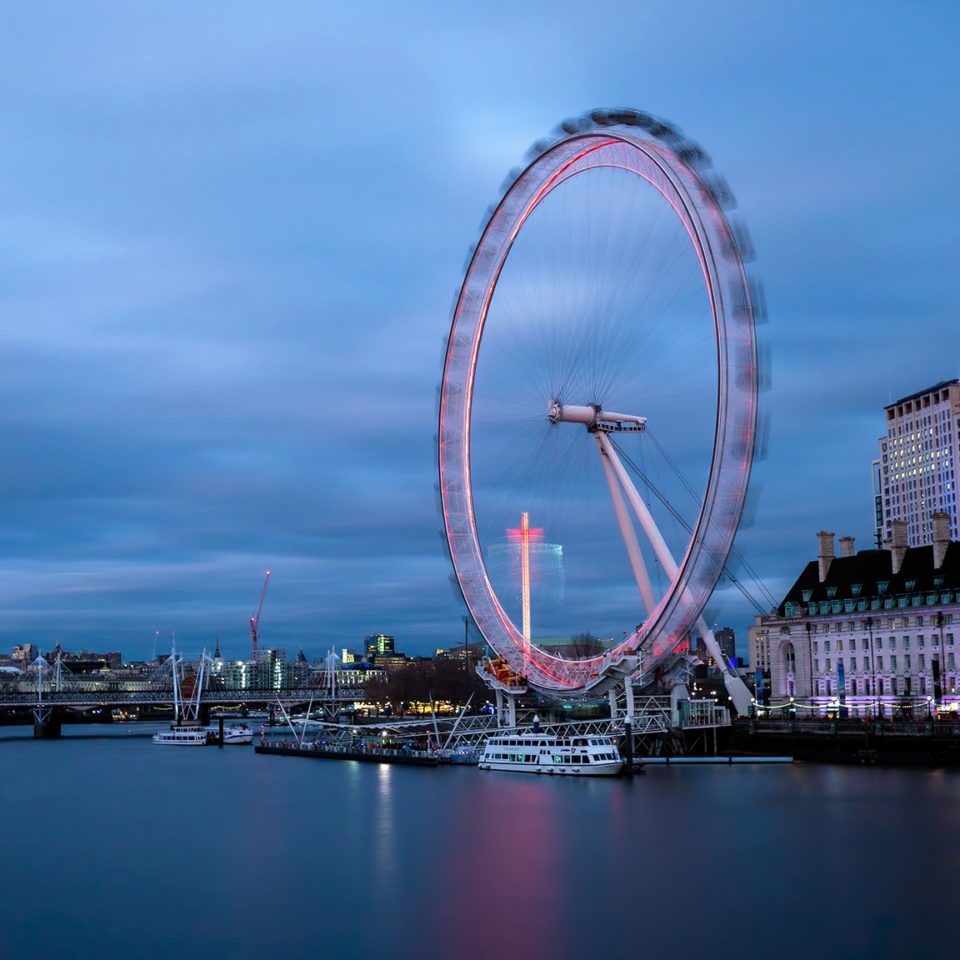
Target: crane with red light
255, 620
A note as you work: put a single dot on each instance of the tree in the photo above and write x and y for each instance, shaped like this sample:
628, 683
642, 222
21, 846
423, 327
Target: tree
585, 645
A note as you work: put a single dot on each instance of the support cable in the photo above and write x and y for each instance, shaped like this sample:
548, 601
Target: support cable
754, 576
686, 526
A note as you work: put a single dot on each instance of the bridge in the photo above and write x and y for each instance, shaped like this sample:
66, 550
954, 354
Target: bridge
190, 694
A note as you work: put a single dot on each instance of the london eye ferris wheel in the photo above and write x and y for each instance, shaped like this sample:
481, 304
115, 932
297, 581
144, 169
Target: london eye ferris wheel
601, 379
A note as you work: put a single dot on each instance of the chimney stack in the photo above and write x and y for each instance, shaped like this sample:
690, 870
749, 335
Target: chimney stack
846, 546
898, 544
826, 552
941, 537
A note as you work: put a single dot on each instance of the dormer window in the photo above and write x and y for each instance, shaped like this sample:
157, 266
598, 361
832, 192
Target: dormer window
831, 592
807, 594
856, 588
938, 581
882, 587
910, 584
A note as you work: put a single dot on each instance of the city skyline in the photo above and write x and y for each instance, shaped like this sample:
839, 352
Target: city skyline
229, 266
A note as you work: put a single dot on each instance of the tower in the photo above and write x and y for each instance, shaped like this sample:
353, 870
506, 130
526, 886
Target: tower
917, 471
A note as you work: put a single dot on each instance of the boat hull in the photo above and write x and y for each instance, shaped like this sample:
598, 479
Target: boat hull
612, 769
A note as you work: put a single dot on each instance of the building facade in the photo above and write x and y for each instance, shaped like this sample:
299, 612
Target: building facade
874, 633
916, 473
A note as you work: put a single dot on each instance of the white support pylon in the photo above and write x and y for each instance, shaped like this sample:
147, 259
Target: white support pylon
736, 688
627, 532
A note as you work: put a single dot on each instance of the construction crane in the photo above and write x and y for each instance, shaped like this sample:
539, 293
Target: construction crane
255, 620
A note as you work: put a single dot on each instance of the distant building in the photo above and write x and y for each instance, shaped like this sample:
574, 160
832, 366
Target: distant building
472, 653
874, 632
390, 661
86, 661
379, 644
918, 469
758, 646
25, 653
727, 640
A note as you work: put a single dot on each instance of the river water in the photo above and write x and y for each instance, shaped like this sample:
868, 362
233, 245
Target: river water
115, 848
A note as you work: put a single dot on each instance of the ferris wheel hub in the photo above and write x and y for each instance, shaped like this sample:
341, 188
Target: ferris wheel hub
595, 418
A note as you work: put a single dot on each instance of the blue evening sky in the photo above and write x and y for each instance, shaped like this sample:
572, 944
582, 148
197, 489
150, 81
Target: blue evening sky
229, 238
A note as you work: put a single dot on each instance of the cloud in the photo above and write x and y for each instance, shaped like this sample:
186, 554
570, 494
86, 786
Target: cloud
228, 244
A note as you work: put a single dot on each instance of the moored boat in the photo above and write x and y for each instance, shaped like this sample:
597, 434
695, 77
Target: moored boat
237, 734
461, 755
182, 736
582, 756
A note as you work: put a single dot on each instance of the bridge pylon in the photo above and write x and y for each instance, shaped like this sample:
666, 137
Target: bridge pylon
46, 722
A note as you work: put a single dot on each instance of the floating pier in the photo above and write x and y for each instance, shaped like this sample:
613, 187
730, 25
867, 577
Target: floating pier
405, 757
672, 761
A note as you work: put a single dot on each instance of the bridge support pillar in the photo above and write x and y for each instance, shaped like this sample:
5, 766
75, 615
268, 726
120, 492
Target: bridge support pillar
506, 708
628, 745
612, 697
46, 723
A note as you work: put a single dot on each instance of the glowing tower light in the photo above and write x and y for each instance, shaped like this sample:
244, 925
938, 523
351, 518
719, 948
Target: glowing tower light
525, 573
524, 535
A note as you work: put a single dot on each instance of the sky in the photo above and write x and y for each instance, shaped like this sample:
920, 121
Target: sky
230, 234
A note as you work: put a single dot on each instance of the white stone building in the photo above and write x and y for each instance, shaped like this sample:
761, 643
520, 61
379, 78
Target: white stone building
877, 632
918, 469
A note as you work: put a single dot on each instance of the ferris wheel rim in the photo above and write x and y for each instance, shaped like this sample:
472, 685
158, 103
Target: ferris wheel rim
700, 212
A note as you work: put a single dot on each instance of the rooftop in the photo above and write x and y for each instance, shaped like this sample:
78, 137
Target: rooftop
942, 385
869, 569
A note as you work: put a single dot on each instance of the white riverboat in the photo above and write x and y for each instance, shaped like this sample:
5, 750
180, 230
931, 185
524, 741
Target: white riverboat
586, 756
187, 736
236, 735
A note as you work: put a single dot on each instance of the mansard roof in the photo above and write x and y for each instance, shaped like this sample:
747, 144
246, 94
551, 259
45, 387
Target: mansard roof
868, 569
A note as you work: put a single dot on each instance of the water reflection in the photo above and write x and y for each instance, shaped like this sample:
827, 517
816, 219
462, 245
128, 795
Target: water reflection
385, 837
146, 852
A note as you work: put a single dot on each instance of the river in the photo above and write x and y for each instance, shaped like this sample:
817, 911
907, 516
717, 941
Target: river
116, 848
